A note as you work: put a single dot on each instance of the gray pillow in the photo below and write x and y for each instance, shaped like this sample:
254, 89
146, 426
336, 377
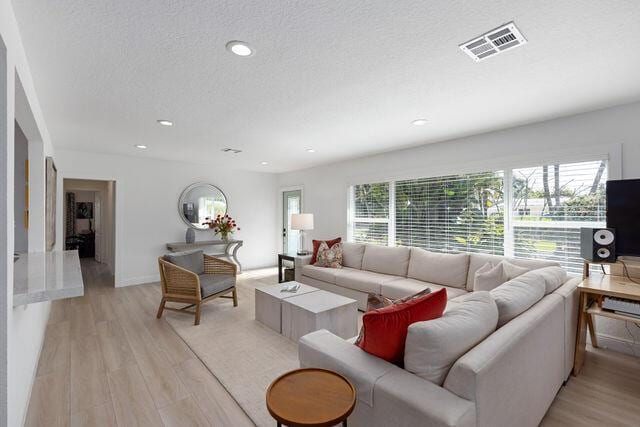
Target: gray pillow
190, 260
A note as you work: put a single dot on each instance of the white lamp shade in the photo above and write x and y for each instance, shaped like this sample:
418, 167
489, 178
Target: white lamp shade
303, 221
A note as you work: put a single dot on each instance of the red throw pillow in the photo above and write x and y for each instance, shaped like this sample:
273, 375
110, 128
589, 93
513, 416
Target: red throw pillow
316, 246
384, 330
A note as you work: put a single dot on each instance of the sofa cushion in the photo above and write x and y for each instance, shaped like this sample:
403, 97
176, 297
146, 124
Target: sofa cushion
190, 260
316, 246
553, 277
384, 330
432, 347
213, 283
320, 273
352, 254
477, 260
386, 260
401, 288
517, 296
440, 268
361, 280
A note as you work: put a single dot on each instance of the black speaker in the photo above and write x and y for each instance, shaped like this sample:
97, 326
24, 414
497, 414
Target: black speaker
598, 244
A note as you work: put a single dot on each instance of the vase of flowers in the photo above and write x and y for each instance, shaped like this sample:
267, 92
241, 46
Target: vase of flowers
223, 225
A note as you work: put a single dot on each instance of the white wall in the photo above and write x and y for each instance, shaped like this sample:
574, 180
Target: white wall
614, 131
147, 193
21, 328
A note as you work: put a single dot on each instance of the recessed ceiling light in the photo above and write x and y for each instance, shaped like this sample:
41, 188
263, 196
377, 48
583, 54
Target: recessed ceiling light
419, 122
310, 150
165, 122
239, 48
140, 146
264, 163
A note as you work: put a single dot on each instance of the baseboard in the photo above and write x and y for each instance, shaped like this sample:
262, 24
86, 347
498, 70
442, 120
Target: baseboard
619, 344
141, 280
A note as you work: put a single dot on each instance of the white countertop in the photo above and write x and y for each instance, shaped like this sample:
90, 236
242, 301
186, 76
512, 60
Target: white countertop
46, 276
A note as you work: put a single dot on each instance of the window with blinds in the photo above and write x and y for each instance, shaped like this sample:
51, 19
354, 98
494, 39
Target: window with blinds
465, 213
370, 213
550, 204
456, 213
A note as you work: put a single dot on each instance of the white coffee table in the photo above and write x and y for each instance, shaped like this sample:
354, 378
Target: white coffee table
312, 311
268, 303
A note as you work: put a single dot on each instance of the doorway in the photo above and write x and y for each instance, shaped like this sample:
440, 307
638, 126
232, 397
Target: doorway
291, 204
89, 219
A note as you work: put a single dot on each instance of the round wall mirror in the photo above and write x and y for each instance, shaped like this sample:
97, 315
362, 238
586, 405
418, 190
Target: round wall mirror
201, 201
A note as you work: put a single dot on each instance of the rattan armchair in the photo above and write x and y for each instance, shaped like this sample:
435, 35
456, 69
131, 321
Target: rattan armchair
183, 286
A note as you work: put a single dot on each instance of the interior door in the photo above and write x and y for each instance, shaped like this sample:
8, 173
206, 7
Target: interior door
291, 204
97, 224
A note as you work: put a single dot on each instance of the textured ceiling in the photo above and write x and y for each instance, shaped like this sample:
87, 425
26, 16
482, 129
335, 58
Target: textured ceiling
345, 78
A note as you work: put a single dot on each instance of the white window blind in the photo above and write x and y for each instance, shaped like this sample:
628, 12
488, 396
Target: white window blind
370, 213
456, 213
551, 203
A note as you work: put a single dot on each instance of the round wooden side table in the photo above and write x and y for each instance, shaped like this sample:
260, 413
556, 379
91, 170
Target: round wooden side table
311, 397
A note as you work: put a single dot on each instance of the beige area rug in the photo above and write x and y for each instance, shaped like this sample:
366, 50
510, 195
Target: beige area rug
243, 354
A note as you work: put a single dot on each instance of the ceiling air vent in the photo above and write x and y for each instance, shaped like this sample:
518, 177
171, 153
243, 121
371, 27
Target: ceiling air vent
231, 150
494, 42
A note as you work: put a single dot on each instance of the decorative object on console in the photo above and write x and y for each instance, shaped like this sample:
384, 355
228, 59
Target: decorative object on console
330, 257
190, 235
223, 225
199, 202
384, 331
598, 244
302, 222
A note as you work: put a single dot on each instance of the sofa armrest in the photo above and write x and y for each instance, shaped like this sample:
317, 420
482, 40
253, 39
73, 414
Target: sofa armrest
400, 397
570, 295
299, 262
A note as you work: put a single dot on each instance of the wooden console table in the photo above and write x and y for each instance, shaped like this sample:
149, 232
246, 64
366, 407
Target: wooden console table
230, 248
592, 288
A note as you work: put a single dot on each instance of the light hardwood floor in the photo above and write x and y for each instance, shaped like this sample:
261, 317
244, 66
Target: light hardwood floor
108, 361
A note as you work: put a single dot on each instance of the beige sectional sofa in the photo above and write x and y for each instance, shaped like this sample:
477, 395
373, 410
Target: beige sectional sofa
508, 379
396, 272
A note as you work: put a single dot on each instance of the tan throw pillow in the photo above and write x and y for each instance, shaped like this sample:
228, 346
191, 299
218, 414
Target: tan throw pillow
491, 275
488, 277
511, 271
330, 257
376, 301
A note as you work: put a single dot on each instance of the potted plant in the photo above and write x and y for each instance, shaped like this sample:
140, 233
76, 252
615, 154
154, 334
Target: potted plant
223, 225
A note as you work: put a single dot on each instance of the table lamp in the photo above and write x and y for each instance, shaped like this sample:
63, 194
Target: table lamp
302, 222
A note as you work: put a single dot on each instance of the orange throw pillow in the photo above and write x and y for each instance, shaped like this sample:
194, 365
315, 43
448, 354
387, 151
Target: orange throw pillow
384, 330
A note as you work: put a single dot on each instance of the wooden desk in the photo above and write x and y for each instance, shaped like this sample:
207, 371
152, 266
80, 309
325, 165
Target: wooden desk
591, 289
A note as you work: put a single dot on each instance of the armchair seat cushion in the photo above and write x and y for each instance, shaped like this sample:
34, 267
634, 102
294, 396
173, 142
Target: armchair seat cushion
214, 283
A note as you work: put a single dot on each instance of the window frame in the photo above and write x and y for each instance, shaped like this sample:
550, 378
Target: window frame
611, 153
